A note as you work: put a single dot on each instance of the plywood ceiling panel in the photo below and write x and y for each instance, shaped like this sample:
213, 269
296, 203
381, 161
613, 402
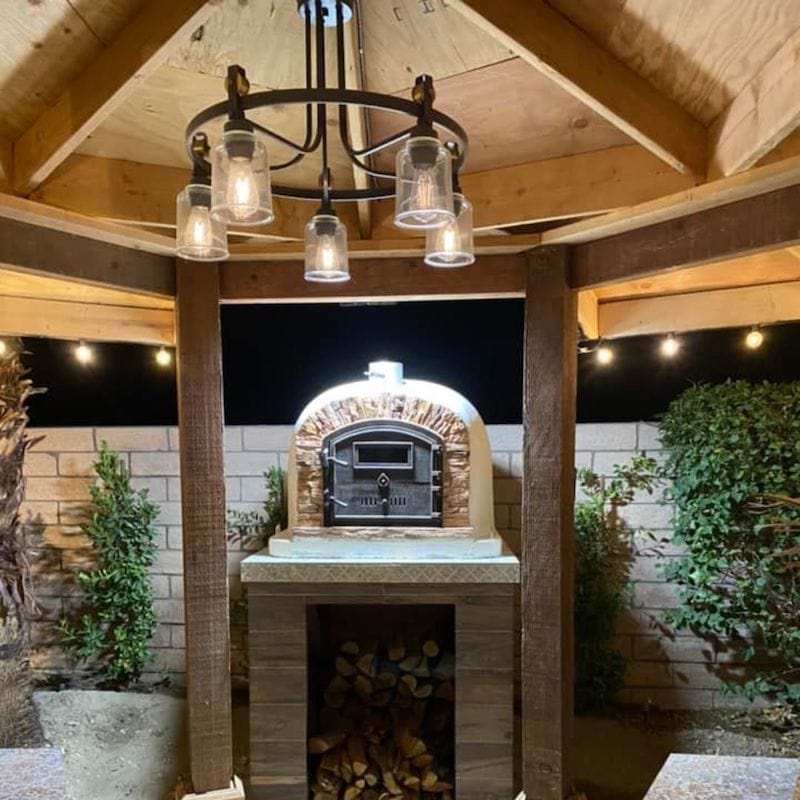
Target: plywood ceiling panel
701, 53
403, 39
513, 115
44, 45
149, 128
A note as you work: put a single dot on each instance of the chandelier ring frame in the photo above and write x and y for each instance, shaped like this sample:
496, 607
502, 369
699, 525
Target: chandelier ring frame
330, 97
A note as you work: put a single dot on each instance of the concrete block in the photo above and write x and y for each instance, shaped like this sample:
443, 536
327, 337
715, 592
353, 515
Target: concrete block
174, 537
79, 464
63, 537
249, 463
170, 513
176, 585
604, 461
678, 648
655, 595
34, 512
501, 464
232, 438
173, 437
253, 489
162, 636
233, 489
605, 436
505, 437
178, 633
57, 489
647, 436
516, 465
160, 584
72, 512
173, 489
507, 490
515, 517
39, 464
169, 659
502, 515
648, 515
140, 438
155, 464
63, 440
168, 562
583, 459
169, 610
647, 568
267, 437
156, 487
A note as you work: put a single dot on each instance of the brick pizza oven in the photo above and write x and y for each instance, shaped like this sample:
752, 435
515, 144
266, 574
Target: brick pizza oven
382, 620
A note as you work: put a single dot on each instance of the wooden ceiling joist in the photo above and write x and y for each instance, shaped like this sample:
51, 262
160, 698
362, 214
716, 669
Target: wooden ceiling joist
59, 319
723, 308
142, 46
552, 44
764, 222
56, 243
759, 117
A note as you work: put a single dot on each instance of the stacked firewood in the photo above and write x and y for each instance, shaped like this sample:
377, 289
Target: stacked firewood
386, 724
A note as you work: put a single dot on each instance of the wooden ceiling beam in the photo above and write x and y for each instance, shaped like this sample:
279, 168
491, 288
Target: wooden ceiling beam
722, 308
141, 47
59, 319
55, 243
760, 116
558, 188
128, 192
706, 196
6, 164
552, 44
765, 222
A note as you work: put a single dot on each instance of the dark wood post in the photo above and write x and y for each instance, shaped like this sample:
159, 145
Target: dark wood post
547, 551
205, 569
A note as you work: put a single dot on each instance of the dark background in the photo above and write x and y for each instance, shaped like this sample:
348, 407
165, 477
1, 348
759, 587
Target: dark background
277, 358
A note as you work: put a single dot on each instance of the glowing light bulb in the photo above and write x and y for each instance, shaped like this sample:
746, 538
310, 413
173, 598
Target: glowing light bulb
327, 253
198, 230
241, 195
425, 196
163, 357
754, 339
670, 346
604, 355
83, 353
3, 348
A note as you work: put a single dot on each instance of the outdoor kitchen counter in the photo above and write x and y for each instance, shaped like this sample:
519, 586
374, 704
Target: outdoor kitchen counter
264, 568
695, 777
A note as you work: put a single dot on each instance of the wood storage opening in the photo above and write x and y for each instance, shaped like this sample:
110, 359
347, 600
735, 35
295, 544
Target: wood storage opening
381, 702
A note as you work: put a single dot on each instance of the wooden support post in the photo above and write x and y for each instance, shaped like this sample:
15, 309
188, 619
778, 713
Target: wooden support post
205, 568
547, 551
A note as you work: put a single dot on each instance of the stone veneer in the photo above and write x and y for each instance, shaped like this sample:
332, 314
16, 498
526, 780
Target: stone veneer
387, 406
669, 669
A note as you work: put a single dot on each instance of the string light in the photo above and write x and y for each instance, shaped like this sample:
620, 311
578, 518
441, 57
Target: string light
604, 355
163, 357
83, 353
3, 347
670, 346
754, 339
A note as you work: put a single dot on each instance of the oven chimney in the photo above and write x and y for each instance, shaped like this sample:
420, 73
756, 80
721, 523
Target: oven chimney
386, 371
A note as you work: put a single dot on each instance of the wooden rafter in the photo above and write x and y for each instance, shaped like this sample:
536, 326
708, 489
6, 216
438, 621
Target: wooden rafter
721, 308
760, 116
552, 44
761, 223
60, 319
104, 85
681, 204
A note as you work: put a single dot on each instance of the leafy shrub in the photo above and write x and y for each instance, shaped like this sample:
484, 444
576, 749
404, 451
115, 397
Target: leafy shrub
733, 455
602, 565
254, 528
118, 620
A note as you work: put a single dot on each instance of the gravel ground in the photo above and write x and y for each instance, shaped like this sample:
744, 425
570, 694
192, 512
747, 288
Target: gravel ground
129, 745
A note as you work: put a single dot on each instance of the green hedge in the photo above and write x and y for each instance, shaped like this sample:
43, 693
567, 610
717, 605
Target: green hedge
734, 466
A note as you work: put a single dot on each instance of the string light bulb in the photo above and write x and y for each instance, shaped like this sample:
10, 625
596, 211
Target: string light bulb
670, 346
3, 348
83, 353
754, 339
163, 357
604, 355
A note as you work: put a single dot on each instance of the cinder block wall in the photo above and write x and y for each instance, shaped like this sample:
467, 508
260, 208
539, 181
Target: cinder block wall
671, 672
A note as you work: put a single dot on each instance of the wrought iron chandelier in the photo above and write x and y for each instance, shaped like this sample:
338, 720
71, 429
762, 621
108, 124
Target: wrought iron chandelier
231, 184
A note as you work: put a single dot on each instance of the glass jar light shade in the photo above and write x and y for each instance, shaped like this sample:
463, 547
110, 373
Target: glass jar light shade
200, 235
326, 250
240, 182
451, 245
424, 189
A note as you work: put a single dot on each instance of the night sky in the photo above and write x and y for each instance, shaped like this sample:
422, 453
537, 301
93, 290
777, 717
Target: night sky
277, 358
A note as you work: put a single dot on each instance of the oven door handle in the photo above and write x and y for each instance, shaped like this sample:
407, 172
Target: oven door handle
327, 459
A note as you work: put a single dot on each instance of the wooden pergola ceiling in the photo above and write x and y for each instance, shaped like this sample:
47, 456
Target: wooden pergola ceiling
628, 114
